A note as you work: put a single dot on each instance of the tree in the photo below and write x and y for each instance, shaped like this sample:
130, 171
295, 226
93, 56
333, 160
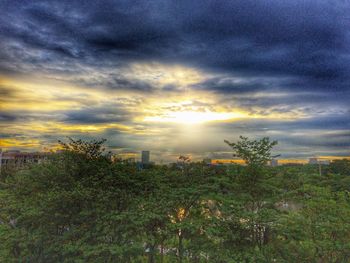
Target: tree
256, 193
89, 149
78, 205
318, 231
254, 153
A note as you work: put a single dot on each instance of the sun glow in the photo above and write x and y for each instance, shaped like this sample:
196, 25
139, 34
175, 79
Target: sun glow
194, 117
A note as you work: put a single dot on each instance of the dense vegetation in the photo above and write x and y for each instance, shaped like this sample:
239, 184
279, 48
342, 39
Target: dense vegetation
81, 207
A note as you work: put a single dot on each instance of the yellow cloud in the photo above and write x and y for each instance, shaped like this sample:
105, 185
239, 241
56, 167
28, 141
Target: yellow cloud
31, 94
163, 74
194, 117
22, 143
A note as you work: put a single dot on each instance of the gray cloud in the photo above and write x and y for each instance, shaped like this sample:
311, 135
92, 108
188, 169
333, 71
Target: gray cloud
97, 115
262, 56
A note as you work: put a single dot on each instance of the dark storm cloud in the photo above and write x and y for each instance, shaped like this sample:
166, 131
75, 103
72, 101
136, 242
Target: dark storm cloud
115, 82
336, 122
5, 117
308, 38
97, 115
23, 116
121, 83
108, 113
235, 86
309, 103
293, 45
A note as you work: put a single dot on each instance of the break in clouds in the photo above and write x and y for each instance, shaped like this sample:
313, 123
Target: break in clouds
121, 70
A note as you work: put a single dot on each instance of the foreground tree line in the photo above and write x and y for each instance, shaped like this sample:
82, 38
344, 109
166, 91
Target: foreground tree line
81, 207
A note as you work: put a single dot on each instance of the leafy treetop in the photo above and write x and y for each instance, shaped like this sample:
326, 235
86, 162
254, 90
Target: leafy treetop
256, 152
90, 149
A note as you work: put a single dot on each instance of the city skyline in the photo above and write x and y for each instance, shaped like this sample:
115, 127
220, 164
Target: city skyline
176, 77
19, 159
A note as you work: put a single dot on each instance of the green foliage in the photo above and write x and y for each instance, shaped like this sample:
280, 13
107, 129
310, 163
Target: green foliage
341, 167
81, 207
256, 152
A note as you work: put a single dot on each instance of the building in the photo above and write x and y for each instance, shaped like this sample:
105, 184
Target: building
17, 159
207, 161
124, 157
145, 157
313, 160
227, 162
324, 162
274, 162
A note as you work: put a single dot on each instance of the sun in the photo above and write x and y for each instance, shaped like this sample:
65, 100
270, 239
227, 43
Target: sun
193, 117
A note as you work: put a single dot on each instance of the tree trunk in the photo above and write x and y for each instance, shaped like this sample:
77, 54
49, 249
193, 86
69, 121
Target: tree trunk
162, 252
151, 254
180, 247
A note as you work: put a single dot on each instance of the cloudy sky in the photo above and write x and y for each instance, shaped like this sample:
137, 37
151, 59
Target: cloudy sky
176, 77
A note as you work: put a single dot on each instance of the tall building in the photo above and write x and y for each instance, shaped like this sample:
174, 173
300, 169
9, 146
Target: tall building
274, 162
145, 157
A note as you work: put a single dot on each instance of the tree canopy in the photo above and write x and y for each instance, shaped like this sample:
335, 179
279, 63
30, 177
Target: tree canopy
79, 206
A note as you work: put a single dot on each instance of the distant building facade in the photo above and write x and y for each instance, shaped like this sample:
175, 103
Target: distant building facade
274, 163
17, 159
207, 161
145, 157
227, 161
124, 157
324, 162
313, 160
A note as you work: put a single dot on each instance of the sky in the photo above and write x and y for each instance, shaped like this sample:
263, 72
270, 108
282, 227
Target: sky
176, 77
